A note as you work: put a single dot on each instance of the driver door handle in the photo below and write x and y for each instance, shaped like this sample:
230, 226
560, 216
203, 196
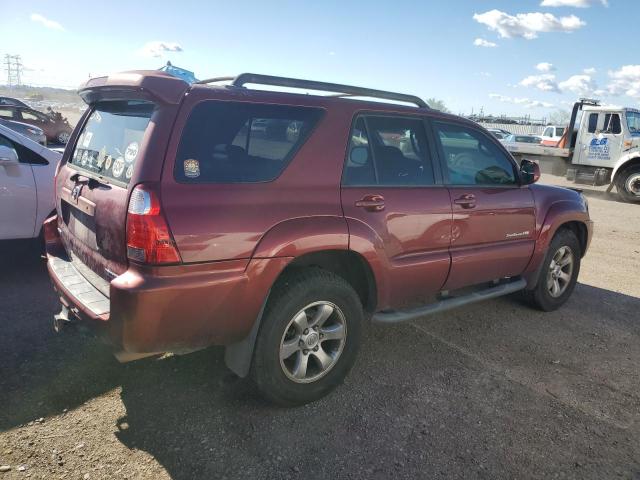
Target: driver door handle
466, 201
371, 203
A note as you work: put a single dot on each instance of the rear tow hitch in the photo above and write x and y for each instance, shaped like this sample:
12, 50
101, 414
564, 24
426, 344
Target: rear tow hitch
61, 319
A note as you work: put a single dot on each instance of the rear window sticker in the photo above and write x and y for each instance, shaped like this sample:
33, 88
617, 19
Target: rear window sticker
131, 152
129, 172
118, 167
107, 162
85, 157
87, 139
191, 168
101, 158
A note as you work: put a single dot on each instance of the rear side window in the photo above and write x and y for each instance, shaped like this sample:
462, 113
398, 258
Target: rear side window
25, 155
239, 142
472, 158
110, 139
593, 123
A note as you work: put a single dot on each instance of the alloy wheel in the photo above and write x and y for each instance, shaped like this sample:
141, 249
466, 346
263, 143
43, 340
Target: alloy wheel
312, 342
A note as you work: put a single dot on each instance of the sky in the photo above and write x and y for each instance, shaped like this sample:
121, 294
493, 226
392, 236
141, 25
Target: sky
514, 57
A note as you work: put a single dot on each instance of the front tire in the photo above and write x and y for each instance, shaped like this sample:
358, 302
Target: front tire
559, 272
628, 184
309, 337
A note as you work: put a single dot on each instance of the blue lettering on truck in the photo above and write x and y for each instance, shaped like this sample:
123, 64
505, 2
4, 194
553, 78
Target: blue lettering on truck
599, 149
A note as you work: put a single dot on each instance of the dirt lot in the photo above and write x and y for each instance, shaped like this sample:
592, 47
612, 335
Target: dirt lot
495, 390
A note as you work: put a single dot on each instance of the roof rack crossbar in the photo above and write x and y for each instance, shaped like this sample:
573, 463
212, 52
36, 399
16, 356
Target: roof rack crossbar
343, 90
215, 80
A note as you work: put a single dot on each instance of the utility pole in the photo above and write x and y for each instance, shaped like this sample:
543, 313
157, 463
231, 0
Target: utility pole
14, 68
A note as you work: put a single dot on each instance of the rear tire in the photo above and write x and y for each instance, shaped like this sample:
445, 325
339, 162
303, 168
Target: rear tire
309, 337
628, 184
559, 272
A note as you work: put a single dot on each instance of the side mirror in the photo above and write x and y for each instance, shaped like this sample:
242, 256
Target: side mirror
8, 156
359, 156
529, 172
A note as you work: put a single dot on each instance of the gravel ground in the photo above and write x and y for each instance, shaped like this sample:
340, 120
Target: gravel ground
495, 390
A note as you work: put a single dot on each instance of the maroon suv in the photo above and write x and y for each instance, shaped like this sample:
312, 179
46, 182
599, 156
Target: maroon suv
276, 223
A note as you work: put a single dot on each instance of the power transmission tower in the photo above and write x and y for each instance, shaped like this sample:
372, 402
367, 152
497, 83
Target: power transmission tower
14, 69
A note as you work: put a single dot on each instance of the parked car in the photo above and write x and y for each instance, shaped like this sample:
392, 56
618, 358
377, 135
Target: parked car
26, 185
12, 101
180, 227
30, 131
523, 139
499, 133
56, 129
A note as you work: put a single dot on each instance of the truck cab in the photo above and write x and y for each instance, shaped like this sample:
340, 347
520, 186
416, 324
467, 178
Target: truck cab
607, 146
552, 135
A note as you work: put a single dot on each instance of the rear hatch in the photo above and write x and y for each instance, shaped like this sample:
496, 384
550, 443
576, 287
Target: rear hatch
117, 144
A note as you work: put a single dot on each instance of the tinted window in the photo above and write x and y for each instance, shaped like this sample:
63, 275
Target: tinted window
472, 158
238, 142
593, 123
559, 131
6, 112
25, 155
612, 123
110, 140
388, 151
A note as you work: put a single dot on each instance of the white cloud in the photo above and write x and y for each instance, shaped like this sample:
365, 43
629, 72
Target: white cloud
525, 102
481, 42
573, 3
582, 85
545, 67
545, 82
42, 20
485, 74
158, 49
625, 81
589, 71
527, 25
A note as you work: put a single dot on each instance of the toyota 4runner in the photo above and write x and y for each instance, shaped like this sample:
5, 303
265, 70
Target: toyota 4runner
276, 223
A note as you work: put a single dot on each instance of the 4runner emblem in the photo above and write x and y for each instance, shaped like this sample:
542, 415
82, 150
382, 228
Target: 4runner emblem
75, 193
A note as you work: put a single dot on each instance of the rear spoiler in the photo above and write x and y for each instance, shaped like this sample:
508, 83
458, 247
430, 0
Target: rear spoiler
151, 84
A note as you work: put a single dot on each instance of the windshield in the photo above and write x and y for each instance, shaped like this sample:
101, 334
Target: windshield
110, 140
633, 122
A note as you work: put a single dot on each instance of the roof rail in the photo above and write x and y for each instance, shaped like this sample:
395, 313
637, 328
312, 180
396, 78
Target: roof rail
341, 90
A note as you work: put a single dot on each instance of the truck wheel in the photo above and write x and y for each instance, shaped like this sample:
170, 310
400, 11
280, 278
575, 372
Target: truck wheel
628, 184
559, 272
309, 337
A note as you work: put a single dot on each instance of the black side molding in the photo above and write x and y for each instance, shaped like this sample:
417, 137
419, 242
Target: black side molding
400, 316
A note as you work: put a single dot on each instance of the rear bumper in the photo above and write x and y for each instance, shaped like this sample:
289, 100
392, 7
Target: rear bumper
169, 309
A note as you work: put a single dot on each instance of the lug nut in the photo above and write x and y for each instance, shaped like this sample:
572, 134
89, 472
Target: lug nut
322, 335
315, 349
305, 351
306, 331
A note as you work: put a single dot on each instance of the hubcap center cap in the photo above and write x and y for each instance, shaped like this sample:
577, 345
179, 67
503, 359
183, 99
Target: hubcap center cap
311, 340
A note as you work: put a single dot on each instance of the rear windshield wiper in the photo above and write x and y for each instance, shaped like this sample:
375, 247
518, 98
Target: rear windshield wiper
91, 182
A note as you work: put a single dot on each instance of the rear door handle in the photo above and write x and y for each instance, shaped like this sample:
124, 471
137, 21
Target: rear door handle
371, 203
466, 201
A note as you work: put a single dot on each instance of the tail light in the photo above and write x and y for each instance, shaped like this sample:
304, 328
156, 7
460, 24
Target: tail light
149, 239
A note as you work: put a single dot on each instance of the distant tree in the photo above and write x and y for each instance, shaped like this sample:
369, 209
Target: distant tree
559, 117
438, 105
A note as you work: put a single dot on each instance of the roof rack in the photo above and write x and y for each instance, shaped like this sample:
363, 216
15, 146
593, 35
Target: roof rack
341, 90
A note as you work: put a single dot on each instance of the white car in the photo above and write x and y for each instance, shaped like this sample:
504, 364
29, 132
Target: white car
26, 185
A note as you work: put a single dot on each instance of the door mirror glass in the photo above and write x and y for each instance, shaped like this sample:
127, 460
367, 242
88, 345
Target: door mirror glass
359, 156
8, 155
529, 172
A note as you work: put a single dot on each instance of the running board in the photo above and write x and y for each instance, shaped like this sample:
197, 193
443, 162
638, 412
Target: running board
400, 316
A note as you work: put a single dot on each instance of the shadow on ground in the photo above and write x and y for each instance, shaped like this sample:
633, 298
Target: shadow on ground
490, 391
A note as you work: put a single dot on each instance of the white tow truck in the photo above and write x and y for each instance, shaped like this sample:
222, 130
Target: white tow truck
601, 146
